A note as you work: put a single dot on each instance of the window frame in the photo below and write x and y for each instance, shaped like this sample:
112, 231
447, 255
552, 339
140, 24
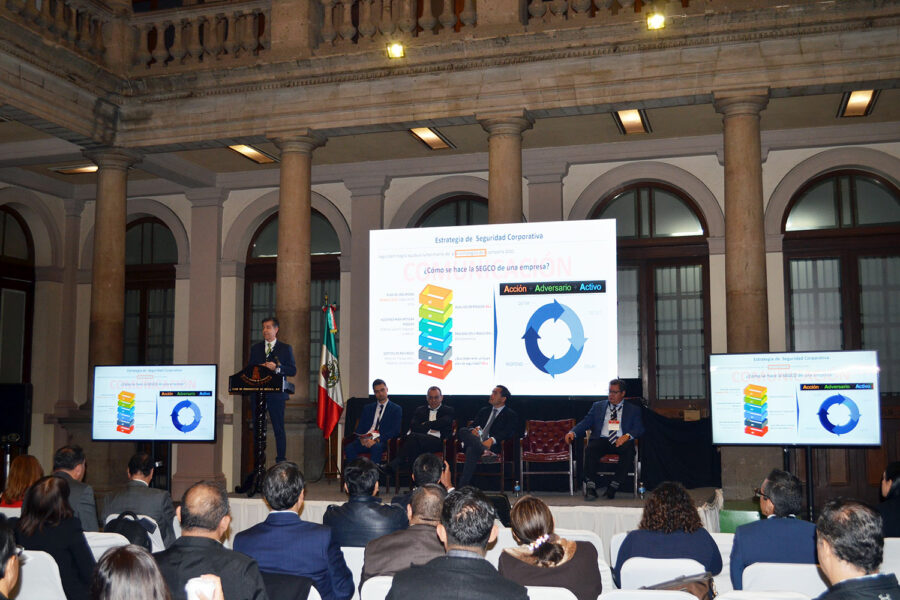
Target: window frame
17, 274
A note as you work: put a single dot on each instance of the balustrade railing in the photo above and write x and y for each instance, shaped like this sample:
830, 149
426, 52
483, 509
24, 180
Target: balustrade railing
77, 25
556, 11
365, 21
194, 36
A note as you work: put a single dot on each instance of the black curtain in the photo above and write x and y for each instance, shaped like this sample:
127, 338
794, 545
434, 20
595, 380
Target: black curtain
674, 450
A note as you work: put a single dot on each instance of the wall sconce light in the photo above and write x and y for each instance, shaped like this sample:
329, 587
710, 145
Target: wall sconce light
396, 50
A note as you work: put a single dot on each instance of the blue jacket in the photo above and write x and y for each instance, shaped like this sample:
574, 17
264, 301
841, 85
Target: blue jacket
390, 420
779, 539
284, 543
629, 419
286, 364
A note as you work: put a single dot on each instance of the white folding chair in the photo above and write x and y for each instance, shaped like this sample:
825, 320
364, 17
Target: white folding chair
354, 557
10, 512
155, 536
891, 561
39, 578
747, 595
647, 595
542, 592
504, 540
784, 577
615, 543
313, 594
639, 571
583, 535
376, 588
724, 542
101, 542
176, 526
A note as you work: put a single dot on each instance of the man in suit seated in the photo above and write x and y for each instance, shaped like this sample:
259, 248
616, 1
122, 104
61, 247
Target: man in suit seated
141, 499
204, 520
69, 463
431, 425
378, 424
614, 426
780, 536
415, 545
493, 424
364, 517
284, 543
428, 468
851, 548
467, 526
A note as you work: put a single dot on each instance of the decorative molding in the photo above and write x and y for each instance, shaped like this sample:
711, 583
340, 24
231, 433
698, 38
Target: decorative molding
209, 196
425, 197
182, 271
231, 268
48, 241
51, 274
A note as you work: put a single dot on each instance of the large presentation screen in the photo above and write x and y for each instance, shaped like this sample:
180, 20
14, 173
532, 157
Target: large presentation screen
797, 398
164, 403
531, 306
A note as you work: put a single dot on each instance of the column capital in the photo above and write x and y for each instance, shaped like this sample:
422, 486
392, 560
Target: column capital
366, 185
748, 102
113, 158
74, 206
505, 123
544, 171
211, 196
304, 141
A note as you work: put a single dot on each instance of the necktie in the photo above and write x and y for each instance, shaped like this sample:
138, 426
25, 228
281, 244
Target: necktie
268, 349
613, 433
378, 417
486, 432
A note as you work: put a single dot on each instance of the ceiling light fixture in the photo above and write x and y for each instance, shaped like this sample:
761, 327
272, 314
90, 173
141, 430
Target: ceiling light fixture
257, 156
631, 121
858, 103
396, 50
656, 20
432, 138
75, 169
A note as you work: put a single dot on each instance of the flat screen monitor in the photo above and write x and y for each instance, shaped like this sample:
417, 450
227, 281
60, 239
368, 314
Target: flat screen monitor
528, 305
171, 403
795, 399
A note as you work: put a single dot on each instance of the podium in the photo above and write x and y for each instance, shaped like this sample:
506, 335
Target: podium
258, 380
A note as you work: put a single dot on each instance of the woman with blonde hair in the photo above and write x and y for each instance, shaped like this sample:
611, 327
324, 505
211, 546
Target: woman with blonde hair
24, 471
544, 558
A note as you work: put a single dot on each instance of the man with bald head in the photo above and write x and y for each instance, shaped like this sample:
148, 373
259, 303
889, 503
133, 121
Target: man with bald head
204, 520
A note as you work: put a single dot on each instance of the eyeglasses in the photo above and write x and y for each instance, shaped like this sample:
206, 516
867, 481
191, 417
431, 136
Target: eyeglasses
758, 493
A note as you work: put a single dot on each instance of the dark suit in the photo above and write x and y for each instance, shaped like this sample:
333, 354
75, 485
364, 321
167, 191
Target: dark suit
275, 401
68, 547
418, 440
388, 428
141, 499
362, 519
81, 499
283, 543
629, 422
455, 578
890, 516
777, 539
399, 550
505, 426
192, 556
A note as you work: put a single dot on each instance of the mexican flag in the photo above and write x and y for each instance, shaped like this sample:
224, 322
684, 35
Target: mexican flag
331, 401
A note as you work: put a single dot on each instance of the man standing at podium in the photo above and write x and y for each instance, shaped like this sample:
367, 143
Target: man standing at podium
278, 357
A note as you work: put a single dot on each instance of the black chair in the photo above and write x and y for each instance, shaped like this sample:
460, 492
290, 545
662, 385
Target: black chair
280, 586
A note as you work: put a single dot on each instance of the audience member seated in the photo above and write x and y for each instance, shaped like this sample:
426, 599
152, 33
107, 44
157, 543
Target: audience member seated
128, 572
138, 497
544, 558
415, 545
467, 526
890, 507
850, 547
427, 468
24, 470
780, 536
69, 463
49, 525
9, 561
204, 520
670, 528
364, 517
285, 544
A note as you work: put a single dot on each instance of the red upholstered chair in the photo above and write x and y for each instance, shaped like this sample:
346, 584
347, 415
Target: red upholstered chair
608, 464
545, 442
505, 459
442, 454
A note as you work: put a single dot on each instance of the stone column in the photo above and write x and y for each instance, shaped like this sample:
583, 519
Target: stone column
545, 190
65, 401
108, 268
746, 302
505, 165
203, 461
293, 266
367, 214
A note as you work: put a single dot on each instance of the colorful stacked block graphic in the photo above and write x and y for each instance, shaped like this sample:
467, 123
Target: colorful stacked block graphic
756, 410
435, 335
125, 416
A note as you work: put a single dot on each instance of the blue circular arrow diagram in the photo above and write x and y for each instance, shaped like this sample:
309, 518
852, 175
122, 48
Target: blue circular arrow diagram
554, 366
851, 406
193, 424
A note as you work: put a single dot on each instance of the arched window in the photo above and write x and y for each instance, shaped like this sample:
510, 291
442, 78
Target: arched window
456, 210
842, 268
150, 257
663, 293
16, 297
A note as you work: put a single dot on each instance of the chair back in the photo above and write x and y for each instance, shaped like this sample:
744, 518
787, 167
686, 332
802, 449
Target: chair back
545, 441
9, 512
542, 592
504, 540
647, 595
615, 543
376, 588
39, 578
155, 536
176, 526
354, 557
747, 595
784, 577
891, 562
582, 535
281, 586
101, 542
724, 542
639, 571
